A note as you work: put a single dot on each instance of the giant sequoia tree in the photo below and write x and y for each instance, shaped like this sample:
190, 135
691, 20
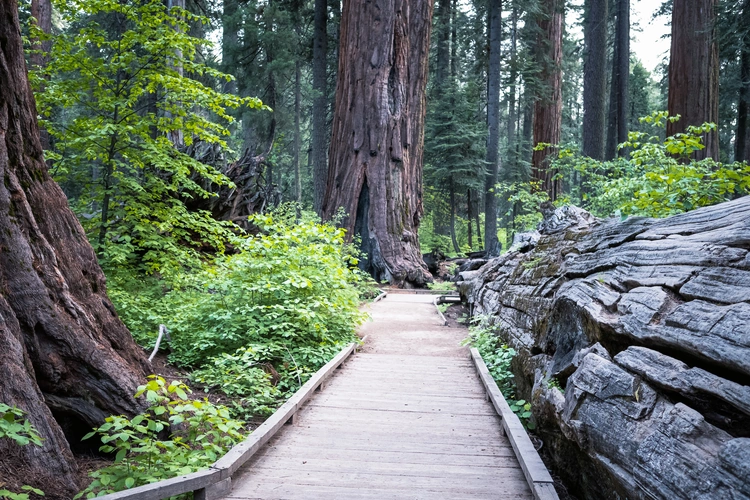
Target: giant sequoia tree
694, 70
548, 104
65, 357
375, 161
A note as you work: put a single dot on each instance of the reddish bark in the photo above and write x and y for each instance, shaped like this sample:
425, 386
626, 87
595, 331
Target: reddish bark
694, 71
548, 104
375, 170
64, 354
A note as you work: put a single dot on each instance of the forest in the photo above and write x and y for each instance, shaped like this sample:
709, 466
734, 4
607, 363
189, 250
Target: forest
243, 174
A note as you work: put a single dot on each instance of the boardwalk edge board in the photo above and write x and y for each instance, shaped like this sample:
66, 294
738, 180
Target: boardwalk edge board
383, 294
199, 482
536, 473
436, 301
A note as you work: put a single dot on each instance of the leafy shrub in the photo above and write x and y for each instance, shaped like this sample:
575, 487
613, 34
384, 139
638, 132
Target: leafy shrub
498, 356
199, 434
15, 427
257, 323
240, 375
289, 286
659, 178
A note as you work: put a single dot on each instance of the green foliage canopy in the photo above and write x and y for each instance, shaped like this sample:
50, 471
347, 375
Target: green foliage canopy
122, 85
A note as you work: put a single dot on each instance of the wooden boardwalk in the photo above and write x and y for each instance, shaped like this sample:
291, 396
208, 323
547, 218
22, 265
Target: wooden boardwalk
406, 418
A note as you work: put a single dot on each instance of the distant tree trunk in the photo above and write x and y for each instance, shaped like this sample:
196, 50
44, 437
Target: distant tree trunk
610, 150
41, 10
512, 110
452, 200
443, 44
491, 243
177, 136
623, 69
65, 357
319, 112
476, 220
742, 137
548, 105
694, 71
617, 126
454, 41
297, 131
594, 78
375, 169
229, 42
469, 213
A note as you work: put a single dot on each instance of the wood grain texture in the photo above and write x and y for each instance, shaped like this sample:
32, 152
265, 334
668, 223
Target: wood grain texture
391, 425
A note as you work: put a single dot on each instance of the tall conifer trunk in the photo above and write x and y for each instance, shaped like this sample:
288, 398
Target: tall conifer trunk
742, 136
319, 143
548, 105
595, 78
65, 357
491, 243
41, 10
376, 149
694, 71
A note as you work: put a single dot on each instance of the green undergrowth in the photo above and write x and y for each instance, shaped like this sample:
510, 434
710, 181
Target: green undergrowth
256, 324
498, 356
176, 435
15, 427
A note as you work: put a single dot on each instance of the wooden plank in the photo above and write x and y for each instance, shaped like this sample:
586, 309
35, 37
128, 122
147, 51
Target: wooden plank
238, 455
400, 390
442, 486
348, 440
383, 437
301, 450
169, 487
418, 404
363, 417
435, 302
291, 491
534, 469
544, 491
307, 464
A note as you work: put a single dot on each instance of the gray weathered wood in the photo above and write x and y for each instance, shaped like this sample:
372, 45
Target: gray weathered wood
406, 418
238, 455
440, 313
168, 487
536, 472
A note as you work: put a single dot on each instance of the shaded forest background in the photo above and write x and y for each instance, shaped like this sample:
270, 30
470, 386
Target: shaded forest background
194, 141
564, 76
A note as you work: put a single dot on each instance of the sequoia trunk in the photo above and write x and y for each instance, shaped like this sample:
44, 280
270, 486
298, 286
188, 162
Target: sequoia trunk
548, 104
65, 357
375, 170
694, 88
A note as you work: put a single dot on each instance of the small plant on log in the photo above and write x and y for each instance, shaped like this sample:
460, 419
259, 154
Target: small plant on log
498, 356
